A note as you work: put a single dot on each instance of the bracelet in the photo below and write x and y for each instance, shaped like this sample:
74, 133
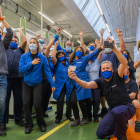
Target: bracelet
2, 18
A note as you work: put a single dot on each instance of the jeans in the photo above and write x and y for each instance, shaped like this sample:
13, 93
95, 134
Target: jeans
3, 94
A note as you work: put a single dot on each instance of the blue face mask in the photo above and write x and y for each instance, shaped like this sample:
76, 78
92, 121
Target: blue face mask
0, 37
93, 58
125, 77
68, 49
61, 59
91, 48
125, 55
107, 74
108, 49
13, 45
78, 54
32, 47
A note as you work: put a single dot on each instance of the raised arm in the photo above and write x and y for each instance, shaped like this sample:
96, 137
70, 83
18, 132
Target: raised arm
101, 38
121, 58
24, 40
122, 43
82, 41
54, 60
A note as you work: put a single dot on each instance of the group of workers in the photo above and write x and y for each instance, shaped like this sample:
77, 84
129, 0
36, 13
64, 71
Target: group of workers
87, 76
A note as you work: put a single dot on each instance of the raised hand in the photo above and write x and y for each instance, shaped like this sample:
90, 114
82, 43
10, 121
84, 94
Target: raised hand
36, 61
56, 43
119, 32
110, 41
58, 31
21, 28
102, 31
71, 74
96, 41
38, 36
80, 33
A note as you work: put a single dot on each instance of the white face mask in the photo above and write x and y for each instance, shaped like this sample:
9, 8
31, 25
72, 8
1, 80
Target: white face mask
32, 47
108, 49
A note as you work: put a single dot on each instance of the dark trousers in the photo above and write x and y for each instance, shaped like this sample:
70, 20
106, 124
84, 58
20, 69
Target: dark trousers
15, 85
73, 100
35, 93
60, 104
115, 122
47, 91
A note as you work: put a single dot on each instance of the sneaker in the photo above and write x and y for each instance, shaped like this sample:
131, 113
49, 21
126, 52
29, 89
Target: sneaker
20, 123
83, 121
2, 131
75, 122
137, 126
96, 119
104, 111
123, 138
3, 126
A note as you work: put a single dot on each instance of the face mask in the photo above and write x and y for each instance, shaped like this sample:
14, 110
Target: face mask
68, 49
107, 74
0, 37
125, 55
78, 54
32, 47
13, 45
108, 49
91, 48
125, 77
93, 58
61, 59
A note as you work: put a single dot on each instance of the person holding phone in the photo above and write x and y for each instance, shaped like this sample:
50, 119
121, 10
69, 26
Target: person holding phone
112, 84
79, 93
32, 63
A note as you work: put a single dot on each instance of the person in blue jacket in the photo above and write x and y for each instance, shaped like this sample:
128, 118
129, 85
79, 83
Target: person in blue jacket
78, 59
32, 64
62, 83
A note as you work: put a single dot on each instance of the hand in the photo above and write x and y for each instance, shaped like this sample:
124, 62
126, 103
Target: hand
21, 29
110, 41
96, 41
80, 33
138, 81
102, 31
71, 74
56, 43
53, 89
119, 32
58, 31
36, 61
38, 36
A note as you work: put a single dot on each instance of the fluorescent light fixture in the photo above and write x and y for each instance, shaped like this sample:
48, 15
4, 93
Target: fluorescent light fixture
112, 37
108, 27
46, 17
99, 7
78, 41
67, 33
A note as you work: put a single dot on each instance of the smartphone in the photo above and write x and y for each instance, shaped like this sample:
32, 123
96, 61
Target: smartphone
108, 45
72, 68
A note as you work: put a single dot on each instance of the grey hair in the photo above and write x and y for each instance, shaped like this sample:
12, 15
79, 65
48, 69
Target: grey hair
107, 62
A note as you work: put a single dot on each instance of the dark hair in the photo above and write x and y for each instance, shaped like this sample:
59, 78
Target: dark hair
138, 45
16, 37
129, 57
2, 30
72, 56
92, 43
59, 52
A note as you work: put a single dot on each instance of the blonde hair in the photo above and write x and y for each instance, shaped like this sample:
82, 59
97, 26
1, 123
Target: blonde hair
107, 62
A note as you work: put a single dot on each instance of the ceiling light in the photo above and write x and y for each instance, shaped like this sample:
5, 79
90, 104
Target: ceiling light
67, 33
46, 17
108, 27
99, 7
78, 41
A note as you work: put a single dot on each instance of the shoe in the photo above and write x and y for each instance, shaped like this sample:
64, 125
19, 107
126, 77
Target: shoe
20, 123
55, 112
89, 119
46, 115
104, 111
70, 118
28, 130
75, 122
43, 129
83, 121
57, 121
2, 131
96, 119
123, 138
137, 126
3, 126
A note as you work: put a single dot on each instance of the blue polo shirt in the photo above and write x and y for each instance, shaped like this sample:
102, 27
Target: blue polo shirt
13, 58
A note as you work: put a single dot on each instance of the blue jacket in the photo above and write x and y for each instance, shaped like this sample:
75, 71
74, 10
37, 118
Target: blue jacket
62, 78
33, 73
81, 73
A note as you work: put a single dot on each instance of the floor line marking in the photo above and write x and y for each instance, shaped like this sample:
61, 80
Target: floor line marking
54, 129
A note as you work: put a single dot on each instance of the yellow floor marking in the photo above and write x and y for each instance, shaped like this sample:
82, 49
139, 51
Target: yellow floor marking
53, 130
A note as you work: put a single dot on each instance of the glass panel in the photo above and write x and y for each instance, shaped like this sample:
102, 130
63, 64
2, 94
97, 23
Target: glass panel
106, 34
80, 3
